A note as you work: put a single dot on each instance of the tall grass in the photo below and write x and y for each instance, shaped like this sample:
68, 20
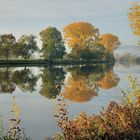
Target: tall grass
14, 131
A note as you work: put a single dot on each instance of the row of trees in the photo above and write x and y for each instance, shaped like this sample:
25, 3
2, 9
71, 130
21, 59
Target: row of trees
24, 47
84, 40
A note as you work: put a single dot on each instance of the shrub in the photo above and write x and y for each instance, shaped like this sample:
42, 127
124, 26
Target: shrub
118, 121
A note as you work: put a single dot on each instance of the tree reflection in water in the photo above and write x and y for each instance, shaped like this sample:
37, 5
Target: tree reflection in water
81, 86
6, 83
10, 79
52, 81
25, 80
84, 82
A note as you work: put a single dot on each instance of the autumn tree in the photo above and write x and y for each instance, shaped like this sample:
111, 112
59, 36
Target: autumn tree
134, 18
52, 43
81, 34
110, 42
7, 43
26, 46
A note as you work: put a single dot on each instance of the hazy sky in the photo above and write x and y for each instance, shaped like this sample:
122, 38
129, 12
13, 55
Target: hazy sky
31, 16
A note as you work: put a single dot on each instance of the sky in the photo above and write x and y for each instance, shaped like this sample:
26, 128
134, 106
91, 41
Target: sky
31, 16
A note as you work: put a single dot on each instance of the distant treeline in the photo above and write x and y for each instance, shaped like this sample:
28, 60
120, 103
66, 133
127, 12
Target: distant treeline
127, 57
83, 39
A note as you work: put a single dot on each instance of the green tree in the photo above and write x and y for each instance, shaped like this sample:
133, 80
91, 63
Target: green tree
96, 52
7, 43
26, 46
53, 45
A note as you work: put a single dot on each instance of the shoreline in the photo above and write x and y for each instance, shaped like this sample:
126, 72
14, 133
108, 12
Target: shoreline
50, 62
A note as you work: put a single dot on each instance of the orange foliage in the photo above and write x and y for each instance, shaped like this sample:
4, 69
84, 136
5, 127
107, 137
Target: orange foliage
110, 42
118, 121
78, 91
80, 34
110, 80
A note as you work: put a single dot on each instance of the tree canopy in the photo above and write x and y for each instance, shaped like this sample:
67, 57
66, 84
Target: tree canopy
26, 46
110, 41
7, 43
53, 45
134, 18
81, 34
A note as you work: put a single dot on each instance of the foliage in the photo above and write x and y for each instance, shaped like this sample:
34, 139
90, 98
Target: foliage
133, 95
14, 131
7, 44
52, 46
110, 42
80, 34
96, 52
26, 46
133, 16
116, 122
82, 37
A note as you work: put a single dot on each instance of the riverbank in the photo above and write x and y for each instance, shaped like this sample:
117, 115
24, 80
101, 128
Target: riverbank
40, 62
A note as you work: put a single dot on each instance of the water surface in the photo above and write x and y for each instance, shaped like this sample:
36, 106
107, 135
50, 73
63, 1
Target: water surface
85, 88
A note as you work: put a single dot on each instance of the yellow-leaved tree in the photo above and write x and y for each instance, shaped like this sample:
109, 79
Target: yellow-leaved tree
134, 18
110, 42
80, 34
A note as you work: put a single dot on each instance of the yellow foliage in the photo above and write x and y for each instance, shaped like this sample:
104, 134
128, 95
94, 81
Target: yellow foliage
78, 91
80, 34
134, 18
110, 42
